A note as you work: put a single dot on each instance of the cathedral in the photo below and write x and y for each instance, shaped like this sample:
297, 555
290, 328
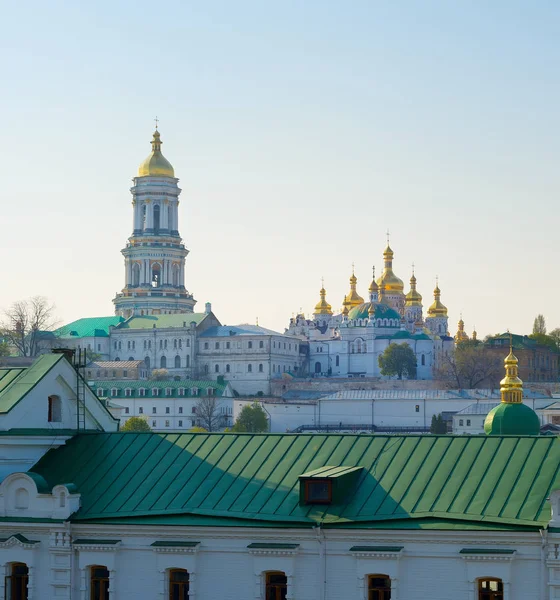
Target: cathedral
349, 343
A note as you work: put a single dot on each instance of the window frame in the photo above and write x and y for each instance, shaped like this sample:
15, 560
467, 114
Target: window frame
104, 590
489, 594
376, 592
273, 590
309, 482
18, 582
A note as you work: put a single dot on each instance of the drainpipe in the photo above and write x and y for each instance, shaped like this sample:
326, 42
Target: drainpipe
544, 574
322, 562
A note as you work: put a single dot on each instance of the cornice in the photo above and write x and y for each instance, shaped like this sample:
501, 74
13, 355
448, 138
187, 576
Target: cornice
90, 547
13, 541
272, 552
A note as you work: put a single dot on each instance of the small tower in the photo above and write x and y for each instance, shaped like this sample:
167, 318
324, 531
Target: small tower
352, 298
373, 289
474, 334
437, 318
323, 310
461, 335
511, 416
413, 306
154, 256
393, 286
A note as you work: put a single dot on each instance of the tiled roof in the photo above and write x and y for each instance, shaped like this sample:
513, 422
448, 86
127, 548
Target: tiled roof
405, 481
89, 327
16, 383
231, 331
483, 408
148, 386
116, 364
163, 321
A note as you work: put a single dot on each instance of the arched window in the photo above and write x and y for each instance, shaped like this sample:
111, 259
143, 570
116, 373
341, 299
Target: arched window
16, 581
276, 585
163, 362
156, 275
22, 498
177, 362
227, 368
131, 358
490, 588
99, 583
379, 587
54, 409
358, 346
147, 361
135, 274
178, 584
156, 218
317, 367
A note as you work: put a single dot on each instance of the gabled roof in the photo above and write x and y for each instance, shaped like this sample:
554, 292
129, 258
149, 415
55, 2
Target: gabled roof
89, 327
163, 321
117, 364
236, 330
16, 383
215, 479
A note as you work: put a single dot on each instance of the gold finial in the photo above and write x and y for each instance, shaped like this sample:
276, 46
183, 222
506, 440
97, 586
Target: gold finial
511, 387
388, 236
373, 271
157, 122
352, 267
257, 321
322, 282
413, 269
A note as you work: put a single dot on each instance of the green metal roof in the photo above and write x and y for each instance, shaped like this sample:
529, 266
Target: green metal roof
163, 321
479, 482
376, 549
381, 311
89, 327
148, 386
17, 383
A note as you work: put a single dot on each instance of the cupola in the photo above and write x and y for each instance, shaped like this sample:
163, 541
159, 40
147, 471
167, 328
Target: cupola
352, 298
156, 164
323, 307
437, 309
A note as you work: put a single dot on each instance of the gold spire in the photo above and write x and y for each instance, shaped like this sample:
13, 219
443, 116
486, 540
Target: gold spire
388, 277
323, 307
511, 387
437, 309
413, 298
461, 335
474, 334
373, 287
156, 164
352, 298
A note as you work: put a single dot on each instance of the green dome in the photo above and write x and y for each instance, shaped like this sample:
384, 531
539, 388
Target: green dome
382, 311
512, 419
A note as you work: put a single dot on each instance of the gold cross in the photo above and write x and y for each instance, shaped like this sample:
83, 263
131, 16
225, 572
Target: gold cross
388, 235
157, 121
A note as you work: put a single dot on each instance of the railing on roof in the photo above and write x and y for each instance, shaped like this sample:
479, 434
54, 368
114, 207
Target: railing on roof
335, 428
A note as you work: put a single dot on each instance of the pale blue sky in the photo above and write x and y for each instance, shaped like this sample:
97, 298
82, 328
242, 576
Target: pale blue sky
300, 132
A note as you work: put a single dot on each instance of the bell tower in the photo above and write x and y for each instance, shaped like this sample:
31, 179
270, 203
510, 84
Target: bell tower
154, 255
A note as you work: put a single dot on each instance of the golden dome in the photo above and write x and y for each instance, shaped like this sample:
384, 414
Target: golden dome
352, 298
156, 164
413, 298
511, 387
392, 282
373, 287
323, 307
461, 335
437, 309
474, 334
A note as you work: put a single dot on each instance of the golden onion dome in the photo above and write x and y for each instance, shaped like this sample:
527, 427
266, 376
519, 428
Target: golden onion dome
413, 298
461, 335
323, 307
392, 282
373, 287
352, 298
156, 164
437, 309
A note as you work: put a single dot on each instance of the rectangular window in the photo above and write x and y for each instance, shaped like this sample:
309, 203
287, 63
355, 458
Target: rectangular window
180, 423
125, 373
460, 422
16, 581
261, 344
417, 408
468, 422
167, 423
318, 491
154, 411
276, 585
153, 423
180, 410
167, 410
140, 410
178, 584
228, 345
126, 410
249, 345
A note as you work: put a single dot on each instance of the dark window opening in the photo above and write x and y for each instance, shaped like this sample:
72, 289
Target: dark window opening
318, 491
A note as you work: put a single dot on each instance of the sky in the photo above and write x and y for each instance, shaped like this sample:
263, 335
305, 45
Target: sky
301, 132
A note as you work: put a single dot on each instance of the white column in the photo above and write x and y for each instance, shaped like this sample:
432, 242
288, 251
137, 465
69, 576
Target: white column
258, 585
290, 587
149, 216
30, 581
2, 579
161, 584
83, 584
192, 585
112, 585
165, 213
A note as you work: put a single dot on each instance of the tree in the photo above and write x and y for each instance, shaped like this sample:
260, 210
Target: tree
539, 324
136, 424
438, 425
554, 335
545, 340
159, 374
198, 430
470, 365
399, 360
25, 324
251, 419
4, 349
207, 413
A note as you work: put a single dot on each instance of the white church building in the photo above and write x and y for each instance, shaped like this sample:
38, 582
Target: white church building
89, 513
